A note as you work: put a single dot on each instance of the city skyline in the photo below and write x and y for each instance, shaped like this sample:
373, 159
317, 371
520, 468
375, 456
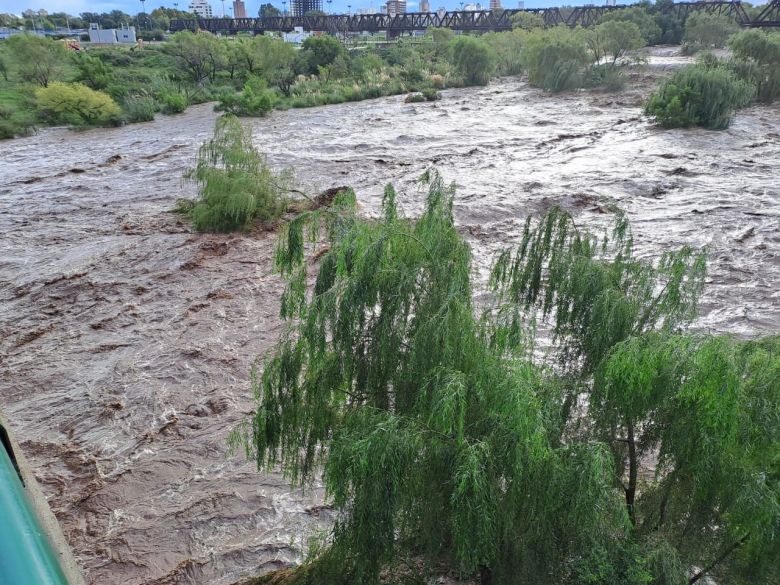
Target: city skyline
75, 7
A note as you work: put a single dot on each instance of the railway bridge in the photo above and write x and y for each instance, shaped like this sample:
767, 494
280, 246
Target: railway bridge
472, 21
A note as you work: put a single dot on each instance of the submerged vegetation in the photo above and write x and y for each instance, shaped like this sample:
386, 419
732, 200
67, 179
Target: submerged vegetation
632, 452
236, 185
708, 93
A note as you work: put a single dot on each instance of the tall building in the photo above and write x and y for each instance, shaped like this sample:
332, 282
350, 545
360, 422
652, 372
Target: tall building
495, 4
396, 7
425, 6
201, 8
239, 9
301, 7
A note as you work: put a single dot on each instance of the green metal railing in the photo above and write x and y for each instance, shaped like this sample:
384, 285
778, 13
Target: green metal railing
26, 556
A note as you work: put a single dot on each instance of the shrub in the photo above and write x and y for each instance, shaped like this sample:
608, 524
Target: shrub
614, 39
699, 95
77, 104
473, 59
757, 59
415, 98
318, 52
608, 76
508, 48
173, 102
236, 185
437, 81
556, 59
140, 108
93, 72
431, 94
255, 99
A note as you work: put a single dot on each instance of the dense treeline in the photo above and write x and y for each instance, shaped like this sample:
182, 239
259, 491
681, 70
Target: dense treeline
632, 451
250, 76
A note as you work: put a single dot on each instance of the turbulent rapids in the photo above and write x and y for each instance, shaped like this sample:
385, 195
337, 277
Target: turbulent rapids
127, 340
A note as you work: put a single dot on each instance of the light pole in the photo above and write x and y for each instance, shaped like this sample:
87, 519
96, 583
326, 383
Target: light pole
284, 7
329, 3
349, 9
143, 11
223, 8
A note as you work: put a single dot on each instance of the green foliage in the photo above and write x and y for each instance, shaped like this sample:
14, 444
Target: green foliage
757, 60
172, 102
319, 52
473, 59
140, 108
236, 186
638, 15
428, 438
704, 30
527, 20
93, 72
255, 99
268, 11
36, 59
508, 48
201, 54
556, 59
699, 95
440, 437
614, 39
75, 103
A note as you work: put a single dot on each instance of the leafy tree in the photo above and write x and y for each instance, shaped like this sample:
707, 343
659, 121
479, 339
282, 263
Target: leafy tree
639, 16
318, 52
699, 95
473, 59
614, 39
236, 185
201, 54
556, 59
36, 59
271, 58
441, 439
75, 103
708, 30
268, 11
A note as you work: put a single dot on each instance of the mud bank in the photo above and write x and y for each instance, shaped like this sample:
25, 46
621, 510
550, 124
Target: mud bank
127, 340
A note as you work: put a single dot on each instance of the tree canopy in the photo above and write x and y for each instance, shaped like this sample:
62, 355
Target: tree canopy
640, 454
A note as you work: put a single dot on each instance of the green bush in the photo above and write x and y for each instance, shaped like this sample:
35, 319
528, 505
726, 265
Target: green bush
699, 95
256, 99
556, 59
415, 98
757, 60
431, 94
77, 104
236, 185
140, 108
173, 102
638, 15
473, 59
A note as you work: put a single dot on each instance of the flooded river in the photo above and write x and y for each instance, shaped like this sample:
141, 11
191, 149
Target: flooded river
126, 340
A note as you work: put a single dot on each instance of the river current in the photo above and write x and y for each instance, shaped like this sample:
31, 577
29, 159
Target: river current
126, 340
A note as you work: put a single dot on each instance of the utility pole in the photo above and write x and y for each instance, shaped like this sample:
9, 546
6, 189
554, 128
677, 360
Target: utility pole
143, 11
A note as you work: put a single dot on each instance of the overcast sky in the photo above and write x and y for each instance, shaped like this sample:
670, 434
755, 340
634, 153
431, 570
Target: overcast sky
252, 6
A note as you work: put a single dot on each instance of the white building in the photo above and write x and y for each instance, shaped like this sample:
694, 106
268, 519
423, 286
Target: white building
201, 8
297, 36
111, 36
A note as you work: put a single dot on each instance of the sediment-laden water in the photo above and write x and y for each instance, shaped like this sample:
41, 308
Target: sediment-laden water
126, 340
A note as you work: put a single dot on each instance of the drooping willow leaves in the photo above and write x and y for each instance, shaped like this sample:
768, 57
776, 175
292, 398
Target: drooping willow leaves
440, 439
236, 185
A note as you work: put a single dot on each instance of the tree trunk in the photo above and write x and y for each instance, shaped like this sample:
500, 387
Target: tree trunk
632, 473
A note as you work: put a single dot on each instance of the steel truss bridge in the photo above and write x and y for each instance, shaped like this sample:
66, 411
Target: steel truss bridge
475, 21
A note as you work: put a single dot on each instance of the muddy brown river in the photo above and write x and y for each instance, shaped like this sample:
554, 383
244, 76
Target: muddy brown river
126, 340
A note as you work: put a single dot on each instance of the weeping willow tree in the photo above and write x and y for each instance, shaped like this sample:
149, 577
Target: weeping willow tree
237, 187
440, 440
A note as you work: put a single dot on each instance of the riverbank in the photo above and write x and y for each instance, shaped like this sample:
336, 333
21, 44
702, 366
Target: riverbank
127, 340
